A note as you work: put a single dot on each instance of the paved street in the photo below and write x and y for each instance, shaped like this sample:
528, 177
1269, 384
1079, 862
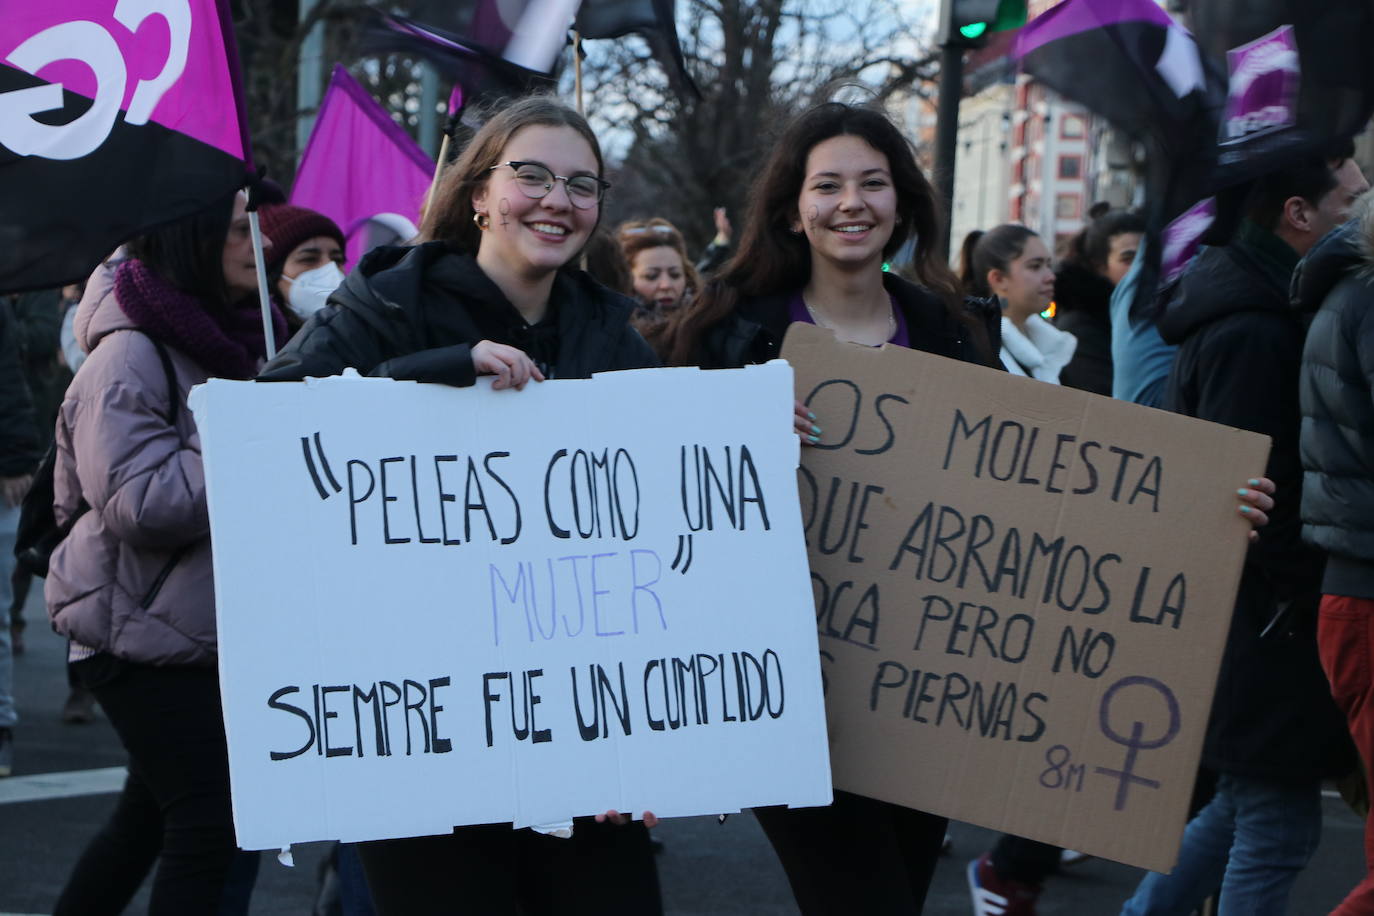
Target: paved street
706, 868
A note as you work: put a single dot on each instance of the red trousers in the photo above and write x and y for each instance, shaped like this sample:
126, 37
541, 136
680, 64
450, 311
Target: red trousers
1345, 641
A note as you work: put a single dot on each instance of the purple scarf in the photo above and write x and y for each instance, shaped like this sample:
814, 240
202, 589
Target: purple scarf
225, 345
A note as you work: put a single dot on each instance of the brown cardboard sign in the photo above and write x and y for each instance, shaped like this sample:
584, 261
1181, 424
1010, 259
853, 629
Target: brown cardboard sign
1022, 592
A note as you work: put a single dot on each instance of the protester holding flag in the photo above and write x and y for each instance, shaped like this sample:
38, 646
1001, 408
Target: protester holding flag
131, 585
304, 263
840, 193
490, 291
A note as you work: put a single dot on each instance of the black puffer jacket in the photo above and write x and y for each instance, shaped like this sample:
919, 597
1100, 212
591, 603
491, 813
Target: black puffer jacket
19, 447
1240, 347
1083, 301
1337, 282
753, 333
415, 314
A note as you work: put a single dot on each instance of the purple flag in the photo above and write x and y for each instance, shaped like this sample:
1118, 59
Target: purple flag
115, 117
360, 163
1263, 86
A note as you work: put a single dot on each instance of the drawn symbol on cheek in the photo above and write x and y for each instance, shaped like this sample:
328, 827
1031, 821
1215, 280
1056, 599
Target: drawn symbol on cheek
812, 215
503, 207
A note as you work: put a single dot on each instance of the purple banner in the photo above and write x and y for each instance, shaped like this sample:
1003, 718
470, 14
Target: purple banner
159, 61
1074, 16
1181, 238
359, 163
1264, 80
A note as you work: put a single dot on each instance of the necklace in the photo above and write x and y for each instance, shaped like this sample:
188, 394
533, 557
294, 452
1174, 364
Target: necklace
891, 319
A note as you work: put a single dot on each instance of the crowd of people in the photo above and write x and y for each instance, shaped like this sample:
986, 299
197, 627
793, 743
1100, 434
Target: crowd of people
492, 285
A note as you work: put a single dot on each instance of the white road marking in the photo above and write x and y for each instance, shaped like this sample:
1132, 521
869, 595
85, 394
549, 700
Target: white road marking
46, 786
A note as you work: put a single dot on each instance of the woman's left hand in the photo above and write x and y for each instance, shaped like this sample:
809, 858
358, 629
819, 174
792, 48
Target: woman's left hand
615, 817
1256, 503
804, 422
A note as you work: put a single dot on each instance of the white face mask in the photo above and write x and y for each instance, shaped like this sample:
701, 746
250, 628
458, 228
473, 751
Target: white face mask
311, 288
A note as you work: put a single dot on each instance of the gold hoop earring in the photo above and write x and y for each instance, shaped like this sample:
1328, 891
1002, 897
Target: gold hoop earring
481, 220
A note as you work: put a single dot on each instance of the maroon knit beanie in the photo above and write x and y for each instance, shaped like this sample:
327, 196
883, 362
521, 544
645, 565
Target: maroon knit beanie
288, 226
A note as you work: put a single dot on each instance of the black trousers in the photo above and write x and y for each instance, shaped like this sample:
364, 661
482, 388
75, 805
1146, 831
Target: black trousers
175, 810
858, 855
492, 869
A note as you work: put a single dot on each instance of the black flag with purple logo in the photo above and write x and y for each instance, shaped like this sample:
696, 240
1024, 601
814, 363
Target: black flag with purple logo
656, 20
480, 70
1265, 83
1301, 74
1129, 62
107, 131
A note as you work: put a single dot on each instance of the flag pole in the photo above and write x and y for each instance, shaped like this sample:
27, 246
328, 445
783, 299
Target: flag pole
269, 336
577, 70
438, 172
455, 110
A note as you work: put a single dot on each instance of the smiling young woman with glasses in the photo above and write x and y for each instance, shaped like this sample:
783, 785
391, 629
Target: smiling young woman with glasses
490, 290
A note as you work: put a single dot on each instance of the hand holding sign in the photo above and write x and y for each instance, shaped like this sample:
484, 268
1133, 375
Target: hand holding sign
511, 366
1256, 504
531, 612
997, 562
805, 422
615, 817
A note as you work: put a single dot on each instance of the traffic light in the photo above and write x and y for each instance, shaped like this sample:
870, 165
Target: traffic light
968, 22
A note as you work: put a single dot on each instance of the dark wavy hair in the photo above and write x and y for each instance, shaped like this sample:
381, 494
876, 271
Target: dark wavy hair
449, 215
771, 259
973, 284
998, 247
1091, 247
189, 253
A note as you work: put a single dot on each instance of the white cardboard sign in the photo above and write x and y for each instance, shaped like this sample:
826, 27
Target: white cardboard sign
446, 606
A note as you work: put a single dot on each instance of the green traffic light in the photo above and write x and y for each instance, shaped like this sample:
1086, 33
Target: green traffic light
973, 30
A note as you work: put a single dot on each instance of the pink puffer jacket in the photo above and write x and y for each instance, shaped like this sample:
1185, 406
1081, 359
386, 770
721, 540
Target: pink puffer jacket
133, 577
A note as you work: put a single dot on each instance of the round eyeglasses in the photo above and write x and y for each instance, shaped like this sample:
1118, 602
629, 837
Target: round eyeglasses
535, 181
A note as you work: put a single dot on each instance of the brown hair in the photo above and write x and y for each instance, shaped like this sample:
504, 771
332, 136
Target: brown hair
1092, 246
998, 248
449, 215
973, 284
636, 236
771, 259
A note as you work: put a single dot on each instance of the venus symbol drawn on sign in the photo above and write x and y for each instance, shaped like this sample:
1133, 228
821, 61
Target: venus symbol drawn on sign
1136, 742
